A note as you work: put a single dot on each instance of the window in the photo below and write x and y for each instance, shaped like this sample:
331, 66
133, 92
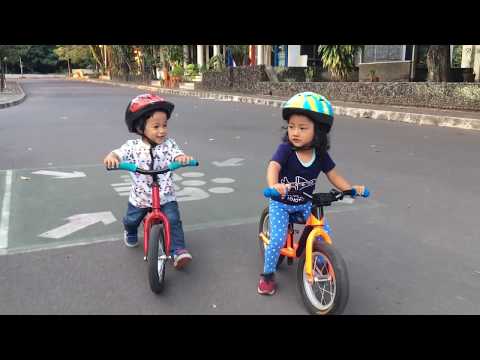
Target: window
383, 53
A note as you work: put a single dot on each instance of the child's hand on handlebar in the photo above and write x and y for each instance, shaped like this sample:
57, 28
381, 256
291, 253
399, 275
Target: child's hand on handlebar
360, 189
111, 161
282, 189
183, 159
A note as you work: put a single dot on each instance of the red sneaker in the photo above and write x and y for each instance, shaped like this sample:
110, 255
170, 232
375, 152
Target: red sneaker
266, 286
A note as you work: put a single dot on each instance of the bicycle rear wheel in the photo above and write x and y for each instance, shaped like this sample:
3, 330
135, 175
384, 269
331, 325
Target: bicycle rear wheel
328, 294
156, 258
264, 226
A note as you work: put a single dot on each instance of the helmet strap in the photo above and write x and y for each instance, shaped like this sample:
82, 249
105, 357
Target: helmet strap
304, 147
152, 143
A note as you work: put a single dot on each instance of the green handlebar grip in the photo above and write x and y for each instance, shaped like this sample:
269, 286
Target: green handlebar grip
127, 166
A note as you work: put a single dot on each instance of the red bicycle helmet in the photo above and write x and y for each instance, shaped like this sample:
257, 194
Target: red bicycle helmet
143, 104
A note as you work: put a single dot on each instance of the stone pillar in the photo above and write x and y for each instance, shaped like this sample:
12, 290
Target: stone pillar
216, 50
260, 54
207, 54
200, 56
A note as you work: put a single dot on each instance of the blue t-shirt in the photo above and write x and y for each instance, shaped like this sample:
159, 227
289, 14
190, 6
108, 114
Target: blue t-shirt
302, 177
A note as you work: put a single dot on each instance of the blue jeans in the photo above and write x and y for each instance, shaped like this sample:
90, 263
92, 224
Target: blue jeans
134, 217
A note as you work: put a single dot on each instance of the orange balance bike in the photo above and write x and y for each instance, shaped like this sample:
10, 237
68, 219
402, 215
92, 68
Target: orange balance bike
322, 276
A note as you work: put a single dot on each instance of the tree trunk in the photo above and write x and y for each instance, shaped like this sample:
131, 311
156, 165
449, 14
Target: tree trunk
186, 56
438, 63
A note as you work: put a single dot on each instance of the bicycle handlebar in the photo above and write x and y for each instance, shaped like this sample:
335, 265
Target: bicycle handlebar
333, 195
174, 165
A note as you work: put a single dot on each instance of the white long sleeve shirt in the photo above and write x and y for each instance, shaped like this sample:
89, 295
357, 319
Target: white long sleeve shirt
137, 152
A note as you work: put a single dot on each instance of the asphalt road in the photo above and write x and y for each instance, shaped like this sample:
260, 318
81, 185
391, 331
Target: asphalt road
412, 248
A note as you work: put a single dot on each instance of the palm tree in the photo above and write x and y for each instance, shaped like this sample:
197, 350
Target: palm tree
239, 53
339, 59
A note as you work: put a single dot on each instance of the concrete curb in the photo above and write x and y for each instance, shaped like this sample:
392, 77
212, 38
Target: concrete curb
17, 100
407, 117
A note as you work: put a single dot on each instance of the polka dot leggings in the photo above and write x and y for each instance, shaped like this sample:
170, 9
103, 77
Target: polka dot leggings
279, 214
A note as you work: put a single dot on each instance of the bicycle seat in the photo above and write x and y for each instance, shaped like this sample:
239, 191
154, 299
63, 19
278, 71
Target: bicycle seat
296, 218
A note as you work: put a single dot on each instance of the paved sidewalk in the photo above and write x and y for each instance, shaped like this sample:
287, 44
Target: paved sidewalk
12, 95
469, 120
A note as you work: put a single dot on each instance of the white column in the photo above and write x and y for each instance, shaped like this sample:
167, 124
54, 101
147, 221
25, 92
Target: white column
467, 56
293, 55
260, 60
268, 55
207, 53
200, 55
476, 62
216, 50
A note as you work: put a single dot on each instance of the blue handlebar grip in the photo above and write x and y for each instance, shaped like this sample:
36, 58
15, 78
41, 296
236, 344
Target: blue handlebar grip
127, 166
366, 193
193, 162
271, 192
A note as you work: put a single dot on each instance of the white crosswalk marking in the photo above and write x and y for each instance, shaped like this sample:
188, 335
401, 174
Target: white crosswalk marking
123, 188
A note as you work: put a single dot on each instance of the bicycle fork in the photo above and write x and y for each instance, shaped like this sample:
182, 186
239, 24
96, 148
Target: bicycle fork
156, 217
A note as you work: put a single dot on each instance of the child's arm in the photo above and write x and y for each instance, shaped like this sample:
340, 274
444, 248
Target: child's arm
341, 183
273, 170
111, 160
177, 153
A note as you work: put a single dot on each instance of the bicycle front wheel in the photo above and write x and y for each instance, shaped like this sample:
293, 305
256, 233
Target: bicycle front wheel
328, 293
156, 258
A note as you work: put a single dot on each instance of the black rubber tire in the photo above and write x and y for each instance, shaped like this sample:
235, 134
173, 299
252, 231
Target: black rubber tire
156, 248
260, 241
341, 280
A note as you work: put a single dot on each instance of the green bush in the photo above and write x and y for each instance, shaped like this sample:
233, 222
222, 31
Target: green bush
191, 70
177, 70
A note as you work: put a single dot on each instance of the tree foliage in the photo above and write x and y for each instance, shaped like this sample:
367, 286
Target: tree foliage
339, 59
79, 55
239, 53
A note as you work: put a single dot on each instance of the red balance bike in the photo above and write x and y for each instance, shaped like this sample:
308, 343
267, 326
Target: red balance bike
156, 228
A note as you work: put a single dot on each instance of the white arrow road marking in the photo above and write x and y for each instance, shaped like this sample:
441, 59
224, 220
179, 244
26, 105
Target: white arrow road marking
60, 175
191, 193
78, 222
229, 162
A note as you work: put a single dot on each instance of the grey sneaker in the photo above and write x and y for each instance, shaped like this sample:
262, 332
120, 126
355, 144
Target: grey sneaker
130, 241
181, 258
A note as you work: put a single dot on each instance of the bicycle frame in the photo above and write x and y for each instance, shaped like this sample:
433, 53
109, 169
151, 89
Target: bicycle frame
316, 223
154, 217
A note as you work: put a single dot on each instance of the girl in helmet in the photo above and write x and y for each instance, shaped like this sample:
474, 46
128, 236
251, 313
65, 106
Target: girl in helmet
296, 164
147, 115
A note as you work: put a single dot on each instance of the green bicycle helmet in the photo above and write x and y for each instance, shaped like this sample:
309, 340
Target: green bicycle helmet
312, 105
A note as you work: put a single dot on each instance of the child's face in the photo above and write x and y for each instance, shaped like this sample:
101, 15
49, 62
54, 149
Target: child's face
301, 130
156, 127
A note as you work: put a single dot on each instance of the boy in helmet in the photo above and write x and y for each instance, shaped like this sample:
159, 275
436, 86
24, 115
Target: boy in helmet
296, 164
147, 115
